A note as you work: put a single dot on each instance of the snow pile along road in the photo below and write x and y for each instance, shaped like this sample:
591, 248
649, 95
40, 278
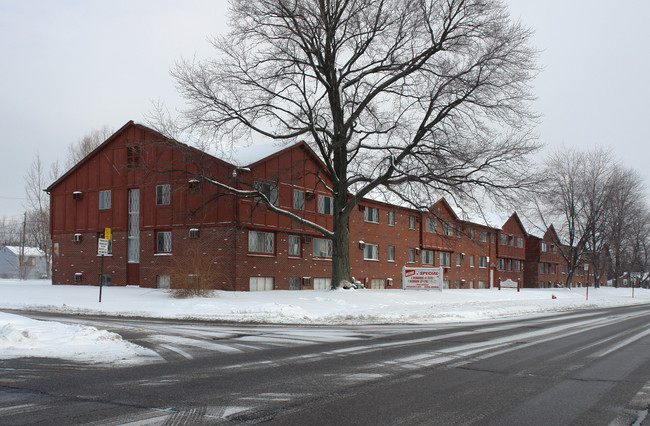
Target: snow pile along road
24, 337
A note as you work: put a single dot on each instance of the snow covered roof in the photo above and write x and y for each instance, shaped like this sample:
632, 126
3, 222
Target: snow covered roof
491, 219
242, 156
29, 251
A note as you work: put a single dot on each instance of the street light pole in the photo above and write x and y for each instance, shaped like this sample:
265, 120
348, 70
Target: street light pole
586, 268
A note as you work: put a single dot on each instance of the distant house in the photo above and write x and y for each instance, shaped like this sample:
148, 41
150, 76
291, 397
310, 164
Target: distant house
34, 263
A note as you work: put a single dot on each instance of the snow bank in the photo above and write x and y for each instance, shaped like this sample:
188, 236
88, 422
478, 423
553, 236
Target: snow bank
24, 337
313, 307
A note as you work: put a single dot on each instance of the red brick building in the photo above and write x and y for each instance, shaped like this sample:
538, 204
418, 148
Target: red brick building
146, 189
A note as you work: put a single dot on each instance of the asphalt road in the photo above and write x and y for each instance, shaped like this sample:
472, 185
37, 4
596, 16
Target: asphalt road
582, 368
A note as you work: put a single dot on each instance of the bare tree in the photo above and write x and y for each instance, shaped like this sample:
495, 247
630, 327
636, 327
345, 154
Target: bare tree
84, 146
406, 97
9, 231
627, 199
38, 209
575, 199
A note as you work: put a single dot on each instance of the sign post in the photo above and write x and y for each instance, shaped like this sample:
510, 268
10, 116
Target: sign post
102, 250
586, 267
421, 278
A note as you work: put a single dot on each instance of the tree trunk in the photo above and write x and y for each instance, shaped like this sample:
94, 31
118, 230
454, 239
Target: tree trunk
340, 247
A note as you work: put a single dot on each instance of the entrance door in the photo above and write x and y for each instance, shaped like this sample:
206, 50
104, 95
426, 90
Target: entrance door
133, 245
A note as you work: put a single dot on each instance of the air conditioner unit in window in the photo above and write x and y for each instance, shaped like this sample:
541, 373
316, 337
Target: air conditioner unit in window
77, 238
306, 239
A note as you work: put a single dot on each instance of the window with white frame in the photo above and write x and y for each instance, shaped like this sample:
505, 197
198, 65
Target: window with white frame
520, 242
163, 281
163, 195
411, 255
371, 214
543, 247
261, 242
482, 261
482, 284
471, 260
294, 245
105, 199
391, 218
325, 204
459, 259
371, 252
298, 199
430, 224
445, 258
322, 247
164, 242
482, 236
501, 264
391, 253
322, 283
269, 190
411, 222
504, 240
260, 283
427, 257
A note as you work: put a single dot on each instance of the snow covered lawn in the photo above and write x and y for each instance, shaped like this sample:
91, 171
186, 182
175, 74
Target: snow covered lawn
20, 336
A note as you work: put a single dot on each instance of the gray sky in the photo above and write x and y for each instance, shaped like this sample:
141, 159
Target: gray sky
72, 66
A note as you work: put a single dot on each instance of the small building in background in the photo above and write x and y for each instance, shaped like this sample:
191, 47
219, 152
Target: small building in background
33, 265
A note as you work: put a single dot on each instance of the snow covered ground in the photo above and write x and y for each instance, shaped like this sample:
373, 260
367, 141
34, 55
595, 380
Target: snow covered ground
20, 336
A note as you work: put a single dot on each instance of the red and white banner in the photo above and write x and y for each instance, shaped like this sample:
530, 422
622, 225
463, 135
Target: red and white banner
422, 278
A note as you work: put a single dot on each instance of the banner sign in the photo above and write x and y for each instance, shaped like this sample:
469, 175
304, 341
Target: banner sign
421, 278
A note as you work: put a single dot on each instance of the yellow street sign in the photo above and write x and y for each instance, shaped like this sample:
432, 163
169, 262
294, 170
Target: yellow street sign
107, 233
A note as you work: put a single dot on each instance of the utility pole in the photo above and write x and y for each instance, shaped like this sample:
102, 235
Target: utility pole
21, 259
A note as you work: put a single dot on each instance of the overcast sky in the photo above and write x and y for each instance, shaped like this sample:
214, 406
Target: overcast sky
69, 67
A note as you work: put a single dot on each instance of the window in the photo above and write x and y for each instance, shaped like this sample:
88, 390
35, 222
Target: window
482, 261
104, 200
482, 284
564, 269
501, 264
322, 283
427, 257
162, 195
371, 214
482, 236
517, 265
391, 218
391, 253
269, 190
294, 245
459, 258
371, 252
260, 242
541, 268
194, 233
471, 261
511, 240
552, 248
194, 185
411, 222
78, 277
294, 283
411, 255
322, 247
552, 268
377, 284
543, 247
163, 281
504, 240
77, 238
458, 231
110, 242
430, 225
520, 242
164, 241
325, 204
471, 233
31, 261
445, 259
260, 283
133, 156
104, 279
447, 228
471, 284
298, 199
491, 238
